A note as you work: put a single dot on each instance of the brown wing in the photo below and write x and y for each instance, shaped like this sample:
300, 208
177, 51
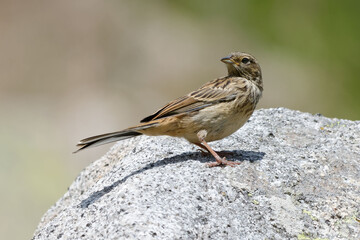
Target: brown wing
209, 94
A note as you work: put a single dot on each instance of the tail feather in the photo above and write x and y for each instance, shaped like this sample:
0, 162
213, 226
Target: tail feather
106, 138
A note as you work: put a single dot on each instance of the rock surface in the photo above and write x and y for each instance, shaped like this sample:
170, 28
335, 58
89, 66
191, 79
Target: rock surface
299, 179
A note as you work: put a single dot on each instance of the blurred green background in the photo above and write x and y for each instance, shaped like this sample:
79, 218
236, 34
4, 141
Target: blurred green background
72, 69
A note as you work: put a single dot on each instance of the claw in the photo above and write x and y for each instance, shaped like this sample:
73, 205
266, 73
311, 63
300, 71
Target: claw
223, 161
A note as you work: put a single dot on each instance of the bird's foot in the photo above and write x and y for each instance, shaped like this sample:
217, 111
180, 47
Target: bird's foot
219, 161
223, 161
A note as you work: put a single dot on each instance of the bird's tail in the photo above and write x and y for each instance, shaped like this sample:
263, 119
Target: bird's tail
114, 136
106, 138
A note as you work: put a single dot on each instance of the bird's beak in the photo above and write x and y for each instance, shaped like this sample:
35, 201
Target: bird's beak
227, 59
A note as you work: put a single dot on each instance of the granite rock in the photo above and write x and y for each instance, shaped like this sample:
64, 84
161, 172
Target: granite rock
299, 178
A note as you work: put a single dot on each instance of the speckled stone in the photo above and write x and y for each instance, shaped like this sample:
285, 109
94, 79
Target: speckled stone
299, 179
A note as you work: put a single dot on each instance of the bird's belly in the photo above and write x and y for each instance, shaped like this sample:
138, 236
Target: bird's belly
220, 121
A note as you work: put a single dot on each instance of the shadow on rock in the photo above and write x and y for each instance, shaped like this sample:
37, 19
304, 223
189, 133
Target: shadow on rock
236, 155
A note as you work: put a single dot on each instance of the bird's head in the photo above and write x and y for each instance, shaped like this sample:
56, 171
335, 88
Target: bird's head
244, 65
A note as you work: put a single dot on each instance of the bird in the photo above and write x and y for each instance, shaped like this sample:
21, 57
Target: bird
214, 111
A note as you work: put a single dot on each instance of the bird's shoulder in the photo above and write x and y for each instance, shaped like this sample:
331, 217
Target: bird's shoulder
222, 86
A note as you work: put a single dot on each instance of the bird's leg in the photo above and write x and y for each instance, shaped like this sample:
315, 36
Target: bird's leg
219, 161
204, 151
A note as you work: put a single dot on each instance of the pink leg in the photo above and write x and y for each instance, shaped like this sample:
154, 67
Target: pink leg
219, 161
203, 149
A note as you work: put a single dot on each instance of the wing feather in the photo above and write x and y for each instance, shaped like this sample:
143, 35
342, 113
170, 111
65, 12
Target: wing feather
218, 90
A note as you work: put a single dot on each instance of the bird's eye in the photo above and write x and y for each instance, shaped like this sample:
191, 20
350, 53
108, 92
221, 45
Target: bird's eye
245, 60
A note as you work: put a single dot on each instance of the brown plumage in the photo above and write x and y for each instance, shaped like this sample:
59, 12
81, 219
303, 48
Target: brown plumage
214, 111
